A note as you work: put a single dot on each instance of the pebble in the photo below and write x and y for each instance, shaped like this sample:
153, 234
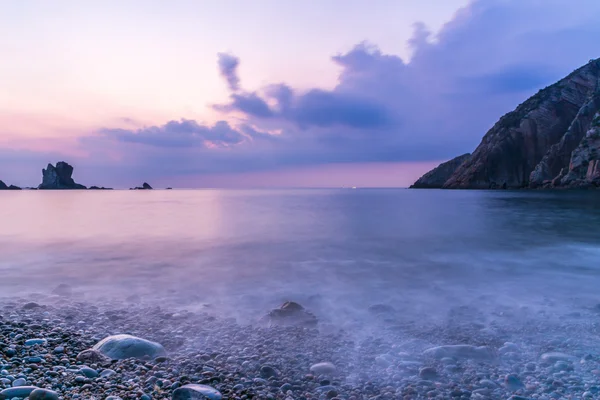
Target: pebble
20, 392
119, 347
89, 372
19, 382
43, 394
323, 368
196, 392
33, 342
513, 383
267, 371
284, 362
428, 373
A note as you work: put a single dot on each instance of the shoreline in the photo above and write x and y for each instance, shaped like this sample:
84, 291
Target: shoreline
403, 361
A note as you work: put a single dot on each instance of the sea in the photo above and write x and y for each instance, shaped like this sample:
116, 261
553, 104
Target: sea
338, 252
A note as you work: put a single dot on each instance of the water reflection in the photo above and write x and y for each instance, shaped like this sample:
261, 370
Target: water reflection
339, 250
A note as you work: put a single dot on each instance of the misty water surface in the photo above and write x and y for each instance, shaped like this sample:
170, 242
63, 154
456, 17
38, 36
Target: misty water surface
335, 251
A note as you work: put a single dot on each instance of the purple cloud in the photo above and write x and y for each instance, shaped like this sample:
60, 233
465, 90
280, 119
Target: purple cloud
248, 103
493, 55
184, 133
228, 65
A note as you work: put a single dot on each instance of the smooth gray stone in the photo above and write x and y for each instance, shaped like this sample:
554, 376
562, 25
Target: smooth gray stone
33, 342
89, 372
324, 368
461, 351
19, 382
119, 347
21, 392
196, 392
43, 394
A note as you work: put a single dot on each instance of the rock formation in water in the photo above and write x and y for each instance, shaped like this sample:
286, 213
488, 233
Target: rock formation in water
59, 177
436, 178
4, 186
145, 186
549, 141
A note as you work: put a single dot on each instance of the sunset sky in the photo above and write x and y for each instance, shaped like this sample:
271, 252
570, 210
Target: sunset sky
234, 93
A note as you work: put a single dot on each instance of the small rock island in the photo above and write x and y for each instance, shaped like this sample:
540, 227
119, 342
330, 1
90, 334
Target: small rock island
59, 177
145, 186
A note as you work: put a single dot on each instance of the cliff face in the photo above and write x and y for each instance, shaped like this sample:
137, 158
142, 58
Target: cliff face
436, 178
584, 166
59, 177
535, 144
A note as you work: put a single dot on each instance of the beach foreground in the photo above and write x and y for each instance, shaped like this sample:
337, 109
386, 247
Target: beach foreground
510, 353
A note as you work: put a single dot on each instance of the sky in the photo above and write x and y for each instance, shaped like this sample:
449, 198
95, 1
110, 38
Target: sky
270, 93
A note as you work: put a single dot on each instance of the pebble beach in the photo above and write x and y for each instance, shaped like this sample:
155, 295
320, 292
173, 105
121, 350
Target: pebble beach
47, 352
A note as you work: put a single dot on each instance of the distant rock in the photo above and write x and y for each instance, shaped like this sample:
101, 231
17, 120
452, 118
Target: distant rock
291, 314
99, 188
436, 178
59, 177
145, 186
119, 347
3, 186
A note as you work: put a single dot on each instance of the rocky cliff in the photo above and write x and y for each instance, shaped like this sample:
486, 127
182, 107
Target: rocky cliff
436, 178
3, 186
59, 177
547, 141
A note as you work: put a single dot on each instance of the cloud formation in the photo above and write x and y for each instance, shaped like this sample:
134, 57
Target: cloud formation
228, 65
184, 133
489, 58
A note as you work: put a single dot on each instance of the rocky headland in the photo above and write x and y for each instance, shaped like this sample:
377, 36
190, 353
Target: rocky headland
552, 140
436, 178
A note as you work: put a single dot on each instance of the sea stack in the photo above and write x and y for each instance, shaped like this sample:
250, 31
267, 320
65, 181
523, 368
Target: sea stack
59, 177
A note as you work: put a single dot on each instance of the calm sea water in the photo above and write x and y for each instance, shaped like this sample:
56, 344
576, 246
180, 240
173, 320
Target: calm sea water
339, 251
